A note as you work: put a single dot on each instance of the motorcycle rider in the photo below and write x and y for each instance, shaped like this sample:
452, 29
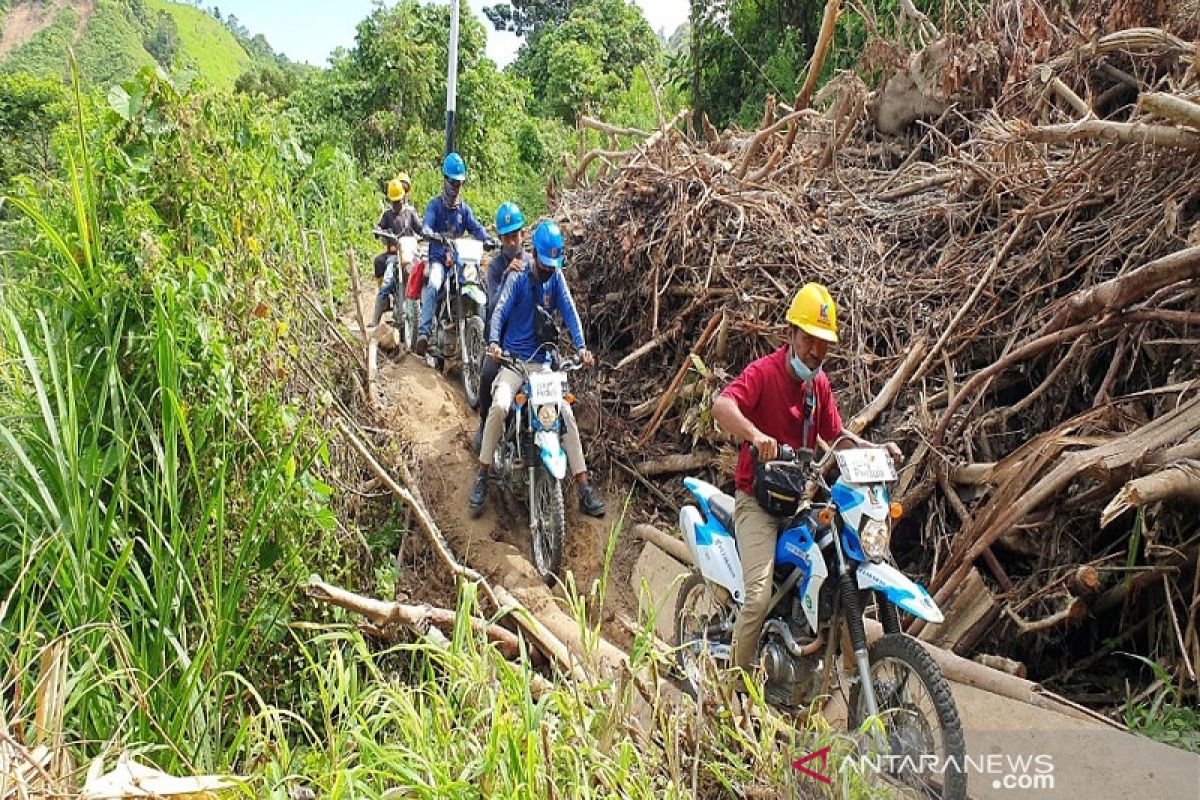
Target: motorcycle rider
449, 216
512, 330
400, 219
510, 226
784, 397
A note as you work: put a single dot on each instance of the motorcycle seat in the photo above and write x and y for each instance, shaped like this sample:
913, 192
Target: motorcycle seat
721, 506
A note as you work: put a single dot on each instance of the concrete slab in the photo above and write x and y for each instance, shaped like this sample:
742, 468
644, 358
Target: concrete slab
655, 581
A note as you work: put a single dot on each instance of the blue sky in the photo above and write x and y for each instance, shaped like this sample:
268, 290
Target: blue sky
307, 30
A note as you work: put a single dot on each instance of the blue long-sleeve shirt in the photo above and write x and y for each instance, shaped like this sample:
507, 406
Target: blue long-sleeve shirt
452, 222
497, 268
512, 322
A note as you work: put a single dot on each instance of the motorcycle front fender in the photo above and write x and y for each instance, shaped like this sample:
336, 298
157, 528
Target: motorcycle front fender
553, 456
476, 295
899, 590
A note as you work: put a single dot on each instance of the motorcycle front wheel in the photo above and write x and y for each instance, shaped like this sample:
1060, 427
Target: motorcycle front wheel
473, 345
548, 522
919, 717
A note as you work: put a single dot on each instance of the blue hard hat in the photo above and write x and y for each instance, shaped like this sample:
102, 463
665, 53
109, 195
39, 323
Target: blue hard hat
548, 244
509, 218
454, 168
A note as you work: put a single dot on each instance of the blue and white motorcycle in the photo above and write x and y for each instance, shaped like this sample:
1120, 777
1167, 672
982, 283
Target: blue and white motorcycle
530, 461
831, 560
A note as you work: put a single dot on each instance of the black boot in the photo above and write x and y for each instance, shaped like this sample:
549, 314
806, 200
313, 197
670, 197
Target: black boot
381, 306
422, 345
478, 495
589, 501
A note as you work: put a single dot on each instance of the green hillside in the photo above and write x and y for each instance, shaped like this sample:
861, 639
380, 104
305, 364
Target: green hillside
117, 37
205, 45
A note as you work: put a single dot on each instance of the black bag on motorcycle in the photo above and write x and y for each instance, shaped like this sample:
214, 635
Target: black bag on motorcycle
778, 490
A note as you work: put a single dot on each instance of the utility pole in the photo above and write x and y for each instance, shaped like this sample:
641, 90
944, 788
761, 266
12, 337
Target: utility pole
696, 21
452, 77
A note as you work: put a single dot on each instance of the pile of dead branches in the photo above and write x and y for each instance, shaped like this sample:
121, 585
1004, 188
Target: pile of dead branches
1011, 226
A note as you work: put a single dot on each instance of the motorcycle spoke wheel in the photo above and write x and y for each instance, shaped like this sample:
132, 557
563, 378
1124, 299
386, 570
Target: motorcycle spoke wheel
697, 612
918, 715
549, 523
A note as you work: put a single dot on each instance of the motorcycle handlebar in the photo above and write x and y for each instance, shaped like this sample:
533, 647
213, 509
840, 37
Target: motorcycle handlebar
385, 234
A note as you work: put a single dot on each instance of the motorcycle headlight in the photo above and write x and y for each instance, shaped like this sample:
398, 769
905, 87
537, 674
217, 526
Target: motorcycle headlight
471, 273
876, 538
547, 415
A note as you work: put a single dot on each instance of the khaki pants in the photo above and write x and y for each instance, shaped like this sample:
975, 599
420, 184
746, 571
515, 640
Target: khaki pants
756, 532
505, 388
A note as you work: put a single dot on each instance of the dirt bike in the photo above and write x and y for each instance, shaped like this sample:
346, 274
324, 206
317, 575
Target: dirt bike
848, 531
458, 320
403, 250
530, 461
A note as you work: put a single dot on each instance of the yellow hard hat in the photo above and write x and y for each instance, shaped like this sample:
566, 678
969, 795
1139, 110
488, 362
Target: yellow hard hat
407, 181
395, 190
814, 312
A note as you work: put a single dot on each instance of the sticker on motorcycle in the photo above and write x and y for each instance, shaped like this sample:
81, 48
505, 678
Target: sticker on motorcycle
546, 387
866, 465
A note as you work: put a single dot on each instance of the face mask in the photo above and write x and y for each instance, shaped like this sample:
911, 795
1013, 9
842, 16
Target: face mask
800, 368
544, 274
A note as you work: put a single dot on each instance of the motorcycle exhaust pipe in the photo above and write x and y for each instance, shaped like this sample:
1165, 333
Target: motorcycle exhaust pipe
798, 650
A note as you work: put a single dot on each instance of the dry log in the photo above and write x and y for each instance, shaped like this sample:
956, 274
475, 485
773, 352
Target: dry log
1107, 131
1021, 494
833, 8
1122, 291
680, 462
1084, 581
614, 130
1178, 480
1007, 665
969, 605
416, 618
962, 670
887, 395
1175, 108
671, 545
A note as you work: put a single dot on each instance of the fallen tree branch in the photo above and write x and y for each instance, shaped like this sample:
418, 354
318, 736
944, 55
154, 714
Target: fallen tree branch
1172, 107
1108, 131
680, 462
671, 545
1118, 293
417, 619
1178, 480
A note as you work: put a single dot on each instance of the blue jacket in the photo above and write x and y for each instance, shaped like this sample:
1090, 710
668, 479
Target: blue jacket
452, 222
512, 322
497, 268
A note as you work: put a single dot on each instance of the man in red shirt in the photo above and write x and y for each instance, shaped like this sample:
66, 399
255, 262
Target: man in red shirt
786, 398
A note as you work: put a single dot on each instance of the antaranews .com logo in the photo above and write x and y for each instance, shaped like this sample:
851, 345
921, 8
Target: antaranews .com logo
1005, 771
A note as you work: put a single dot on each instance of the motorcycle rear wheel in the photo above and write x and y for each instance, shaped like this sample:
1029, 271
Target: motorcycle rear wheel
548, 523
918, 714
698, 610
411, 311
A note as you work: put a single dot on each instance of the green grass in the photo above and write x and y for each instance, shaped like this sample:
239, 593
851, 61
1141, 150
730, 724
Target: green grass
205, 44
111, 48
